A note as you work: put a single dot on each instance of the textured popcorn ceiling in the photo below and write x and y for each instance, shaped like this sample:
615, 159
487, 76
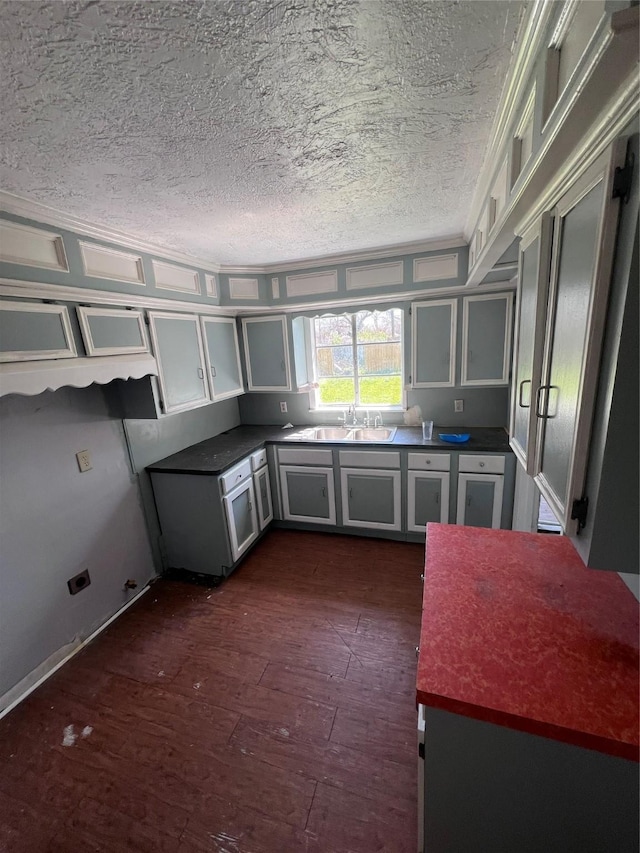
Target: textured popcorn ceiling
255, 131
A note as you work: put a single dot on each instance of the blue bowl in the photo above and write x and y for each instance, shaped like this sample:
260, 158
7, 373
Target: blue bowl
454, 437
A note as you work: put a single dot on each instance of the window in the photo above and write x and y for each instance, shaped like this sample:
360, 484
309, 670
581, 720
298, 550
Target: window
358, 359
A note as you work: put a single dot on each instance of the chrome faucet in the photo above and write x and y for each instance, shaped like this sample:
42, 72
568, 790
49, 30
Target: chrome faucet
377, 421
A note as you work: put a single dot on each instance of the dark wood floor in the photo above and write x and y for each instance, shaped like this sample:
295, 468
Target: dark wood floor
273, 714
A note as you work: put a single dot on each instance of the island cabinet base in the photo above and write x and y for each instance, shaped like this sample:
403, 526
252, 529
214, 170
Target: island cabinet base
491, 789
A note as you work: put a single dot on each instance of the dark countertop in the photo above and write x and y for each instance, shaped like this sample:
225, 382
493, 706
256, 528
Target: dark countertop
216, 454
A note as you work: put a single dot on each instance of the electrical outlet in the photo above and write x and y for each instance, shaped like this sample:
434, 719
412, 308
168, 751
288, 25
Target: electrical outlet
458, 405
79, 582
84, 460
283, 406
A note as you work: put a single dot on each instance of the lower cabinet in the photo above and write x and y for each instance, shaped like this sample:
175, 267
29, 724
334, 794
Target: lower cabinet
428, 499
308, 494
480, 490
371, 498
262, 486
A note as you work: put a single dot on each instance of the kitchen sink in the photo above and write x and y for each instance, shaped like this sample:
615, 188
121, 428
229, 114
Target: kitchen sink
344, 434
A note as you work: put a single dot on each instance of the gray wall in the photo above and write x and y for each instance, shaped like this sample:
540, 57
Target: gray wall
55, 522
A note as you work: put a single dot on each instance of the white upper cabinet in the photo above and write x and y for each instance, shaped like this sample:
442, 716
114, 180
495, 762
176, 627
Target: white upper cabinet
433, 349
486, 338
112, 331
222, 354
585, 221
31, 331
533, 277
266, 349
177, 346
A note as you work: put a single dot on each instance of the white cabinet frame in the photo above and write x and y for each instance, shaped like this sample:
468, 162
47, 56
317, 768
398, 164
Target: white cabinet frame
415, 308
192, 404
371, 472
465, 479
263, 519
69, 351
508, 308
413, 477
83, 316
210, 368
246, 321
238, 548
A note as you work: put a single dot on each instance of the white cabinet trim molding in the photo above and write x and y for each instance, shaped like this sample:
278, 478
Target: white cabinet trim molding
414, 476
415, 307
308, 284
83, 316
375, 275
506, 353
112, 264
69, 351
32, 247
244, 288
171, 277
435, 268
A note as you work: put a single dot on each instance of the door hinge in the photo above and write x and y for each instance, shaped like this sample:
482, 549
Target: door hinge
622, 179
579, 509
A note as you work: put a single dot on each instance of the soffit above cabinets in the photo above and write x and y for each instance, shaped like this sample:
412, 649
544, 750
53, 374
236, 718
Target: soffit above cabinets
254, 132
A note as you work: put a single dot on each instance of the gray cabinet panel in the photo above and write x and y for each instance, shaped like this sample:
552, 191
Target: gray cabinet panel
308, 494
221, 343
486, 339
576, 248
433, 343
267, 354
241, 517
178, 350
112, 331
428, 492
31, 331
371, 498
480, 500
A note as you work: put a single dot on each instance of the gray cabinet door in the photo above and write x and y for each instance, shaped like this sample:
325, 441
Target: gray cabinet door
223, 356
112, 331
486, 339
31, 330
428, 499
308, 494
586, 221
262, 486
433, 344
266, 347
178, 349
371, 498
529, 341
241, 518
480, 500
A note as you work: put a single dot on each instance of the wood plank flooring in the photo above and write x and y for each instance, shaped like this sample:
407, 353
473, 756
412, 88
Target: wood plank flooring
273, 714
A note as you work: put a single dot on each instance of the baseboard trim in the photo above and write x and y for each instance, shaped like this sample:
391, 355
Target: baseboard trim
23, 695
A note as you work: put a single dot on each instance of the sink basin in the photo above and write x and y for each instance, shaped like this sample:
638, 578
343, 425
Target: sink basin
330, 433
373, 434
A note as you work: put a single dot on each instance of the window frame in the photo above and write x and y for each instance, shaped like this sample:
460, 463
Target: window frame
317, 405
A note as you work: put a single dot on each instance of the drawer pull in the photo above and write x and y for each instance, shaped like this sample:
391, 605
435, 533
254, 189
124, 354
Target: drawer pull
428, 461
481, 464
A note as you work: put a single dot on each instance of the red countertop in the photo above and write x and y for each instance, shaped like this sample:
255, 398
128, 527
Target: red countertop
517, 631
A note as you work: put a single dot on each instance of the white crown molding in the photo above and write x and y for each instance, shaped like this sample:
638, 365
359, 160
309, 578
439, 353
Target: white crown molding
391, 251
63, 293
529, 40
43, 213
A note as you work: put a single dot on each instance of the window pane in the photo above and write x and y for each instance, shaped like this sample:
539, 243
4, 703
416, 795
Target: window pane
333, 331
334, 361
379, 359
383, 390
373, 326
335, 391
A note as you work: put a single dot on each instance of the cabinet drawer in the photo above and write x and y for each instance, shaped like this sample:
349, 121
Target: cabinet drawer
235, 476
258, 459
305, 456
370, 458
429, 462
478, 464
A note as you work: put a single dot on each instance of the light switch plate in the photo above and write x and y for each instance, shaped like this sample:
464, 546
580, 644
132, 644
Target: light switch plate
84, 460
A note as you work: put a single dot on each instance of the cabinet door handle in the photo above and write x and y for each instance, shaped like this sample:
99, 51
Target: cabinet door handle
469, 501
350, 493
539, 413
520, 387
437, 497
200, 373
250, 507
213, 371
282, 365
